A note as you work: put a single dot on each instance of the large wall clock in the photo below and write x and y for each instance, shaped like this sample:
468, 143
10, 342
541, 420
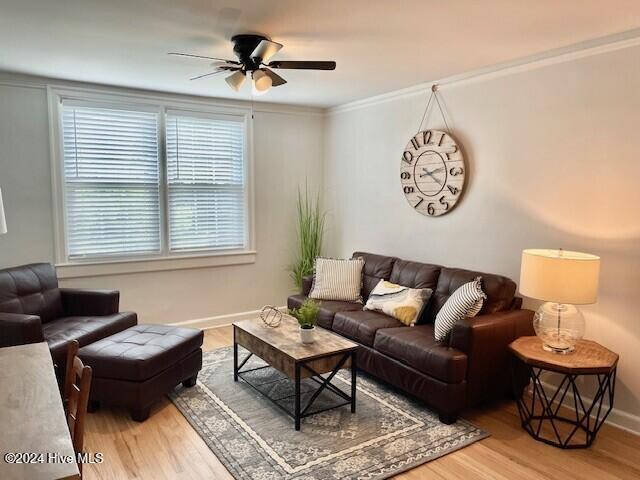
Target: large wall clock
432, 172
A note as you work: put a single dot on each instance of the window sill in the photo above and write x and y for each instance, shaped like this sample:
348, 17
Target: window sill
118, 267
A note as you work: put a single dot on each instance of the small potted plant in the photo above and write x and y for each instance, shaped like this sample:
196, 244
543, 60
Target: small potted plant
307, 315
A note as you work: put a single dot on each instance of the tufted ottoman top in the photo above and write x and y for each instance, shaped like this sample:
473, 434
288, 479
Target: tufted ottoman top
140, 352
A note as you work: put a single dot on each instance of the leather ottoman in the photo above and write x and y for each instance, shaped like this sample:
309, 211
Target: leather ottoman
136, 367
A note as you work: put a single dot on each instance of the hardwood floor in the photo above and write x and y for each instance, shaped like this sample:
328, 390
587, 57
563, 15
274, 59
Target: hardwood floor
166, 447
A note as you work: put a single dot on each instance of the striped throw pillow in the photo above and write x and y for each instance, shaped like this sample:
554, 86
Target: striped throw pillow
465, 302
337, 279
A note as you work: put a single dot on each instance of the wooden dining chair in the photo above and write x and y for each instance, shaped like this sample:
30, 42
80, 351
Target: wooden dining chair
76, 396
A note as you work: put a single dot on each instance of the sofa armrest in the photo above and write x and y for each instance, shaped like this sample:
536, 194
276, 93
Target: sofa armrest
96, 303
485, 339
18, 329
307, 282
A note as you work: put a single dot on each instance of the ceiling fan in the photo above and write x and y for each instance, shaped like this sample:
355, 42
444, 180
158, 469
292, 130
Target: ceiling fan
253, 52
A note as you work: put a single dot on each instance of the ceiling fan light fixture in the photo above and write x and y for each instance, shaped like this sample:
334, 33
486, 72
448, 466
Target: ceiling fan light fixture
236, 80
261, 82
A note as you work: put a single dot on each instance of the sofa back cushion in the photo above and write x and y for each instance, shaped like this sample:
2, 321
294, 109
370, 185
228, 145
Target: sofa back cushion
375, 268
31, 290
499, 290
416, 275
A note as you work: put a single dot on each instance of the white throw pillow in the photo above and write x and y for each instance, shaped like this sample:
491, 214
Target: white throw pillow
465, 302
402, 303
337, 279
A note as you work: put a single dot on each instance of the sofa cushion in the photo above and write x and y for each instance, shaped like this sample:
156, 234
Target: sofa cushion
376, 267
83, 329
328, 308
465, 302
336, 279
416, 347
500, 290
140, 352
31, 290
362, 325
416, 275
400, 302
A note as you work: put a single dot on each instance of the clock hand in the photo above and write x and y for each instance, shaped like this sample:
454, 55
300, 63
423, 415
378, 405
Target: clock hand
430, 174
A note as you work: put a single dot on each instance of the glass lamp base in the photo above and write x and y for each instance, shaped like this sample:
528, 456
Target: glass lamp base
562, 351
559, 327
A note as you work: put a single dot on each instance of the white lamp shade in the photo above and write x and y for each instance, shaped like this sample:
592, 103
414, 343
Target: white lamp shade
3, 220
236, 80
261, 82
560, 276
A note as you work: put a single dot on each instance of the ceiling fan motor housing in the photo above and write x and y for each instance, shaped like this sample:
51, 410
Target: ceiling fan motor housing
243, 47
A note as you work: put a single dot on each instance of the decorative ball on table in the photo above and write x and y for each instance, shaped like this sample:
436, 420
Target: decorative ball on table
271, 316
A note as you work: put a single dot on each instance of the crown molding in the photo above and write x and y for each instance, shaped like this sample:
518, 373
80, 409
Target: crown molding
597, 46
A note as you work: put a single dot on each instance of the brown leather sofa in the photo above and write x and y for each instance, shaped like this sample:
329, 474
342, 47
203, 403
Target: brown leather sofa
34, 309
471, 367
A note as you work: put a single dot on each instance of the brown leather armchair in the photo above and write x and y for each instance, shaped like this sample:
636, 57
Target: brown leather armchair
34, 309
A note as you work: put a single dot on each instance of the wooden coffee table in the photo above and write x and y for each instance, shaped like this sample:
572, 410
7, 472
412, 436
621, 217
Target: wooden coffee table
281, 348
540, 415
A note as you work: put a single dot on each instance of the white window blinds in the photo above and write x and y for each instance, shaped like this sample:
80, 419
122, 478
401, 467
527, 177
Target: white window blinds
111, 180
205, 182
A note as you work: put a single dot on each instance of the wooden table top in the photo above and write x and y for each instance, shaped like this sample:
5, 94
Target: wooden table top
588, 358
286, 339
31, 414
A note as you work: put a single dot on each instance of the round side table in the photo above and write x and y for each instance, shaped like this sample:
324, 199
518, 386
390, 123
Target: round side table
540, 414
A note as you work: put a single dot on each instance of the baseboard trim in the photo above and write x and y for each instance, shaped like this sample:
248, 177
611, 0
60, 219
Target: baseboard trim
219, 320
617, 418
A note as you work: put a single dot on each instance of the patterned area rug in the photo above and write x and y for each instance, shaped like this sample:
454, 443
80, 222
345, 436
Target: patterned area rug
254, 439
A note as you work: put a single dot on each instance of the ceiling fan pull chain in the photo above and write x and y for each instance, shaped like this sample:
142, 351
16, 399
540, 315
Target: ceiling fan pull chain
434, 95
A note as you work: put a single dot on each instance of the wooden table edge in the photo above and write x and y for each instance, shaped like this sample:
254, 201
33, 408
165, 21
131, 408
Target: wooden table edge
552, 367
305, 359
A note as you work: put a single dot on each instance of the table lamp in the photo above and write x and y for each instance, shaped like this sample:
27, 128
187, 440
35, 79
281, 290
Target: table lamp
3, 221
563, 279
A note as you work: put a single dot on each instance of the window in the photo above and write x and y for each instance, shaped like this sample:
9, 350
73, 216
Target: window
151, 182
205, 183
111, 173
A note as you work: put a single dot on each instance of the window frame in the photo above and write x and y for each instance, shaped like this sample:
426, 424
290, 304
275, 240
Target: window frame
166, 259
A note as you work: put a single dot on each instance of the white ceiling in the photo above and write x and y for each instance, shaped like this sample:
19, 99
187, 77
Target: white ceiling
379, 45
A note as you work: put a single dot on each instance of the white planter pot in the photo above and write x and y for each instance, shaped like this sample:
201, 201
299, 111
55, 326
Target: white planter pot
307, 335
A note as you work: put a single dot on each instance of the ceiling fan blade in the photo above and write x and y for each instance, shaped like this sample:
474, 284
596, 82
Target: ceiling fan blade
276, 80
223, 64
208, 74
303, 65
200, 56
266, 49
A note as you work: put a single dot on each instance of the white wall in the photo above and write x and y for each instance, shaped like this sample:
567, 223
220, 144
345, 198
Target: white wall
553, 156
288, 145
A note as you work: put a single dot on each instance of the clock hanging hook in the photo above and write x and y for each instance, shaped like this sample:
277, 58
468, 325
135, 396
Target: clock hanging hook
434, 96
